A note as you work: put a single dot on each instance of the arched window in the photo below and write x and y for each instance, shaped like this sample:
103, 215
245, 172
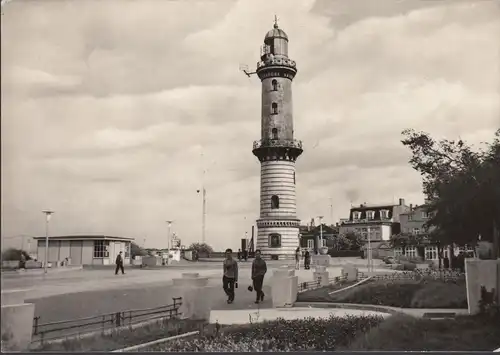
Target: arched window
275, 85
275, 133
274, 108
275, 202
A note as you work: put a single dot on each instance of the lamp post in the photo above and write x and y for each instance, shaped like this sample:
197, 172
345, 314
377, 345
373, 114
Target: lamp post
369, 251
48, 214
169, 223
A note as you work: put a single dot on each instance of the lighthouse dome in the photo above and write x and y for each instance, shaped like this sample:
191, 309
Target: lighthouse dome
276, 32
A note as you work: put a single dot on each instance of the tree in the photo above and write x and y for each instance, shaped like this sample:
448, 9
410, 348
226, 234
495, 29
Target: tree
356, 240
461, 186
136, 250
13, 254
203, 248
341, 242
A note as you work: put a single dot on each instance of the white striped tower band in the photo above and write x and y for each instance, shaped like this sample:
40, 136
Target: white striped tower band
277, 151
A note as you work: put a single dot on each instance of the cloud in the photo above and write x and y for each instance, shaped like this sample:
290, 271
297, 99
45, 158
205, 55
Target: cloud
110, 116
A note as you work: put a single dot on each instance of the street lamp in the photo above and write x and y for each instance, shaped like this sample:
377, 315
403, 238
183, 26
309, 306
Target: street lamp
321, 231
168, 239
47, 219
369, 251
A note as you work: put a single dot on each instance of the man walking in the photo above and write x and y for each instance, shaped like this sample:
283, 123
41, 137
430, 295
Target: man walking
119, 264
230, 278
259, 269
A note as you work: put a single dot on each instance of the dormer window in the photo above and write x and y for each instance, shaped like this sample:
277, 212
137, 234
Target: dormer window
356, 215
384, 214
370, 214
274, 108
274, 83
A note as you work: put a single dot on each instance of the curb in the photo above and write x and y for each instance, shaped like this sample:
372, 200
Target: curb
351, 286
362, 307
436, 314
37, 272
154, 342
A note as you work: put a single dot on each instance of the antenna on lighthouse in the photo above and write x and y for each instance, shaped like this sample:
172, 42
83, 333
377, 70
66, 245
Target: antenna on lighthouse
244, 69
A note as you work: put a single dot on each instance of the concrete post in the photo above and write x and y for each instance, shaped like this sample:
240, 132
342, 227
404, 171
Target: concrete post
479, 273
321, 275
350, 272
197, 296
284, 288
17, 321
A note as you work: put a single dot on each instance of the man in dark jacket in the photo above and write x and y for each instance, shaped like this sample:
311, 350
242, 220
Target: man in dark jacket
259, 269
119, 264
230, 276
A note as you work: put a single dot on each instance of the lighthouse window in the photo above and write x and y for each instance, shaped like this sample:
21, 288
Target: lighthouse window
275, 202
294, 177
274, 108
274, 240
275, 133
275, 85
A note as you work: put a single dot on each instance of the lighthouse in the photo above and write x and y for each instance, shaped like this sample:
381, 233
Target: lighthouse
277, 150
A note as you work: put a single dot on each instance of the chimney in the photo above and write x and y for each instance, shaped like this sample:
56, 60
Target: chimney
411, 207
401, 201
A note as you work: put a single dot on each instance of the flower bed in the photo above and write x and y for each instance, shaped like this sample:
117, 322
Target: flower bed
407, 293
280, 335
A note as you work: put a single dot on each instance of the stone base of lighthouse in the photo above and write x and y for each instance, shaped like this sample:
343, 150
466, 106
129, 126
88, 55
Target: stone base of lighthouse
288, 231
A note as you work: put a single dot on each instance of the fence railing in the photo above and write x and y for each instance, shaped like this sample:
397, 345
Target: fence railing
311, 285
62, 329
418, 274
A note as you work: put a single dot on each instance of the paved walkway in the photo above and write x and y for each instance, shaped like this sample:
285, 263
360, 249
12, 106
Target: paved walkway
89, 292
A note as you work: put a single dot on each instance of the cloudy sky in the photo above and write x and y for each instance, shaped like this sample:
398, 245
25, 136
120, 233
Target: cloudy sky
111, 109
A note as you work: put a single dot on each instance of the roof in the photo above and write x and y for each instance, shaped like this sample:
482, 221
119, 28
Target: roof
363, 207
276, 32
86, 237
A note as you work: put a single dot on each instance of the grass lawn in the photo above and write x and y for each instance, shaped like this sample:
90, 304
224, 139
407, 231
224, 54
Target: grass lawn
465, 333
124, 338
397, 293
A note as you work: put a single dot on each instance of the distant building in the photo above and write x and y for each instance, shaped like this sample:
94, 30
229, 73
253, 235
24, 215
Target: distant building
413, 223
310, 236
377, 221
84, 249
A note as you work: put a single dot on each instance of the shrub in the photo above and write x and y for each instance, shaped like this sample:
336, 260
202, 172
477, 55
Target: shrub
13, 254
409, 266
280, 335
